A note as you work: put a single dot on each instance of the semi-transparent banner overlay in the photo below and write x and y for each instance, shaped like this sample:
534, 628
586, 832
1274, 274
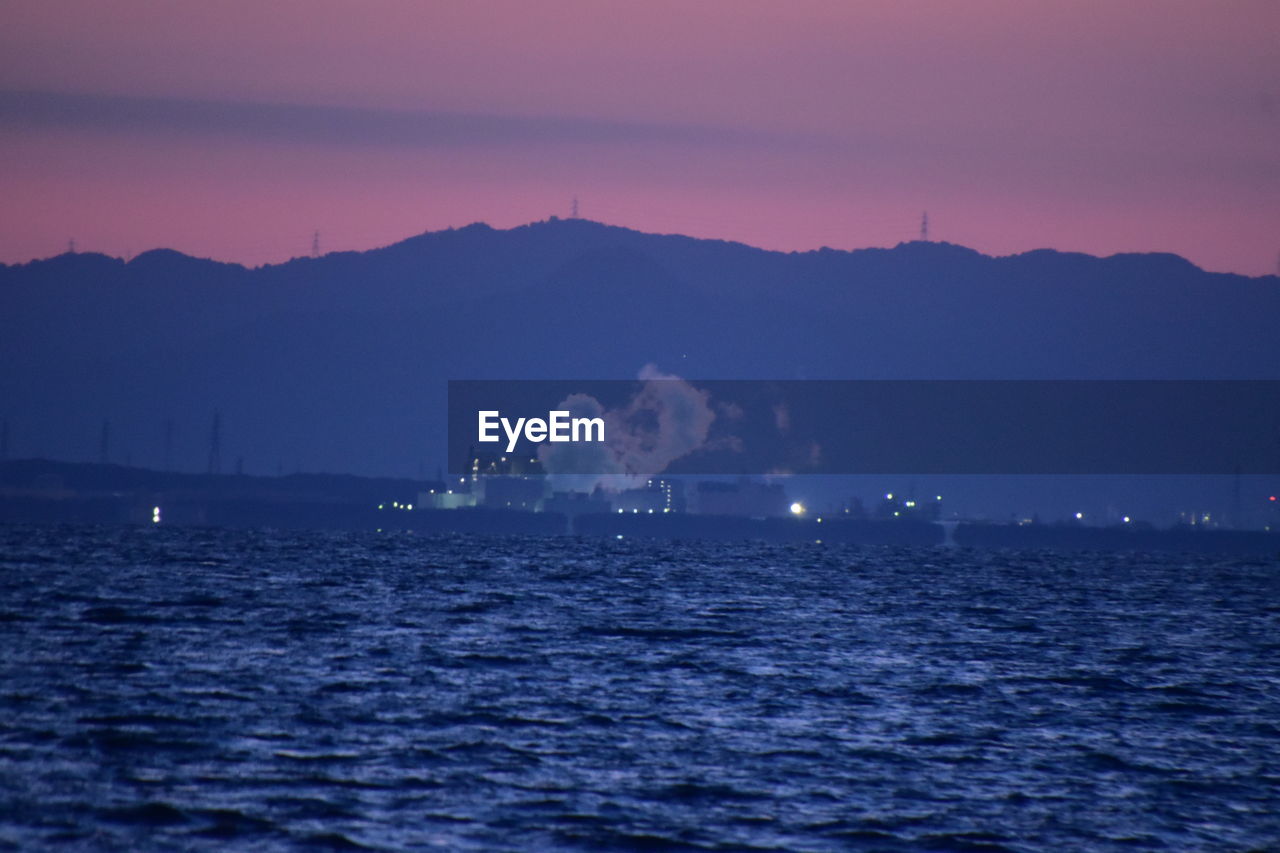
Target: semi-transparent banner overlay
678, 426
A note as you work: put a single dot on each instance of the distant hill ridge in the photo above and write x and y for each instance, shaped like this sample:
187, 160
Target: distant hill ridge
339, 362
580, 228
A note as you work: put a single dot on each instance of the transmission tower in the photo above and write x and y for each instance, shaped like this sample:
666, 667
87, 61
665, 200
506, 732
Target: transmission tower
168, 444
215, 445
1235, 500
924, 227
315, 245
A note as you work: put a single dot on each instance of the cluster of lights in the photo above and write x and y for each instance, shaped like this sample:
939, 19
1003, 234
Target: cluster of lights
664, 486
661, 486
396, 505
155, 515
492, 468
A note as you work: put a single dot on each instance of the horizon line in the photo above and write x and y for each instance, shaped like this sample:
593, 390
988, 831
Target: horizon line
554, 219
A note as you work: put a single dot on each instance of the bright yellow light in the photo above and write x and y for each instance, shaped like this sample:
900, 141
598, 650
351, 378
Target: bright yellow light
1079, 515
1126, 519
797, 508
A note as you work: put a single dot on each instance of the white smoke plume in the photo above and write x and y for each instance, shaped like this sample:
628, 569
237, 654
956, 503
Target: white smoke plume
666, 419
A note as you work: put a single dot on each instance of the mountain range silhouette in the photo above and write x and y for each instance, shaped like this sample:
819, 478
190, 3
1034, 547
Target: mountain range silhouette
339, 363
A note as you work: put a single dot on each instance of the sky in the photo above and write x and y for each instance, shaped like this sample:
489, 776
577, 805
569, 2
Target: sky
235, 130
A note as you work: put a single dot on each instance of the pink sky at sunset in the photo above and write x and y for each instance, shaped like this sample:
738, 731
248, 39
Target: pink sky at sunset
234, 130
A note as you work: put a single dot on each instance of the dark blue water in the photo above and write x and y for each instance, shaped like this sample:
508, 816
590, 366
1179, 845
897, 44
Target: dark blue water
169, 689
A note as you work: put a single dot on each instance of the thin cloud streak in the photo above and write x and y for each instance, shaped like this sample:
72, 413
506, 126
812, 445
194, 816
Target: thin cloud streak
348, 126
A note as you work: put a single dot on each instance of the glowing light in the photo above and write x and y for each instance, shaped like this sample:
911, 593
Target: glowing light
1126, 519
1079, 515
155, 515
889, 496
1273, 497
938, 498
797, 508
408, 506
379, 506
896, 513
911, 503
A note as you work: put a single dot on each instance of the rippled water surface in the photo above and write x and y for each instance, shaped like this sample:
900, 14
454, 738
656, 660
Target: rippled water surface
168, 688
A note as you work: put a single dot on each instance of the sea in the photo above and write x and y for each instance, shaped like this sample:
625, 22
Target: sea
167, 688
